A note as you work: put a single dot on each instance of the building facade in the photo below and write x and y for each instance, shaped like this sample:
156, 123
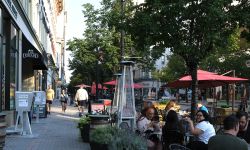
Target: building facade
27, 50
143, 76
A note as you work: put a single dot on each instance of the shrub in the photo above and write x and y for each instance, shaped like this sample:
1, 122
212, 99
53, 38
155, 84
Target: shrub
118, 139
83, 121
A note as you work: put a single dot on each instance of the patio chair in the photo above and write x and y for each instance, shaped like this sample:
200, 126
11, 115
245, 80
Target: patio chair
220, 131
177, 147
171, 137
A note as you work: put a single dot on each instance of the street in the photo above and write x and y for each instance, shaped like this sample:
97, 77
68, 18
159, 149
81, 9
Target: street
56, 132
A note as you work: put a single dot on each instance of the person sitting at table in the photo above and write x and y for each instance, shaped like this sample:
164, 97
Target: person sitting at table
244, 126
202, 107
228, 140
204, 130
146, 126
172, 131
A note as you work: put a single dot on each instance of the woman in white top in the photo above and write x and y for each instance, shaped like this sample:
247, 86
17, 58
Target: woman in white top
145, 123
203, 130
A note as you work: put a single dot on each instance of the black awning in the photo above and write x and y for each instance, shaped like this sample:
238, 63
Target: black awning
30, 55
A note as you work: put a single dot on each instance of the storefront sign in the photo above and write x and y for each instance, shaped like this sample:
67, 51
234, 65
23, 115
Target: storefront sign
30, 54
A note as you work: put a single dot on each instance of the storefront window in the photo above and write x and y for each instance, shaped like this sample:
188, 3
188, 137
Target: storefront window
1, 30
1, 56
13, 65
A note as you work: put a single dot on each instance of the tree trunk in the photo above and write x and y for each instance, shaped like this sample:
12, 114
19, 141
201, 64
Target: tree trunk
194, 88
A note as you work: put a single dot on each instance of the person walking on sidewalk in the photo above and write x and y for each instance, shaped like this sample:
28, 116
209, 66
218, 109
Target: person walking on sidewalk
50, 94
64, 99
82, 98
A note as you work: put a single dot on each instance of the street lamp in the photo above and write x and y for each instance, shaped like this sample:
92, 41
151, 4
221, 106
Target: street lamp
122, 29
99, 55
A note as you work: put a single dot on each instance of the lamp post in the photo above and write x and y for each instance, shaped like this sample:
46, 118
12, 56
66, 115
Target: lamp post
122, 29
99, 55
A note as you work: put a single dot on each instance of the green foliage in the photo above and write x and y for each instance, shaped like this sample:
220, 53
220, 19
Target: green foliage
83, 121
101, 43
175, 69
118, 139
234, 56
103, 135
192, 29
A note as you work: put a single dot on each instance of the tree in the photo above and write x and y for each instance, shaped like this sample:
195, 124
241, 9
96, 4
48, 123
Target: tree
192, 29
174, 69
100, 43
96, 46
231, 58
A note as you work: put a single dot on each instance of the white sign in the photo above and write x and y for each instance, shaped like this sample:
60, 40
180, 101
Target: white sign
23, 102
40, 97
30, 54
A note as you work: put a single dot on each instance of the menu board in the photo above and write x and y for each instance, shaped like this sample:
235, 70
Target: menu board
23, 101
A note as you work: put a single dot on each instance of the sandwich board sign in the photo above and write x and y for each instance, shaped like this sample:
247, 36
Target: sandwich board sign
24, 102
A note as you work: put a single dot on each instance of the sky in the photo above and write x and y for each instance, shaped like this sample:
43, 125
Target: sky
75, 24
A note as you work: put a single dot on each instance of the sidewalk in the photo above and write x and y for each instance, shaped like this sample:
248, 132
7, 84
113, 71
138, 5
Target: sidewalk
56, 132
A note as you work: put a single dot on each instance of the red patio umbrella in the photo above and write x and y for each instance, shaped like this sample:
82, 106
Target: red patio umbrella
137, 86
114, 82
93, 88
84, 85
205, 79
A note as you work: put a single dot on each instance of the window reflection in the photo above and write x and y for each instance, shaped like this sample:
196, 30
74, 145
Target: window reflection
13, 65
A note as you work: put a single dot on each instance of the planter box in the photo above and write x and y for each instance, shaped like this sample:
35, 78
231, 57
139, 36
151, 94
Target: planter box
85, 132
98, 146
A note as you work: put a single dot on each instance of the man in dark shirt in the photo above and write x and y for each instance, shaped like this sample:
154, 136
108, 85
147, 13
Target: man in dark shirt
228, 140
244, 128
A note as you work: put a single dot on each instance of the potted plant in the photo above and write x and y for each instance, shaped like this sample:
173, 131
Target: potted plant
84, 127
124, 140
113, 138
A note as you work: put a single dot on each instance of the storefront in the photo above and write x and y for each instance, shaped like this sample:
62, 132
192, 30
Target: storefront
33, 62
10, 51
21, 57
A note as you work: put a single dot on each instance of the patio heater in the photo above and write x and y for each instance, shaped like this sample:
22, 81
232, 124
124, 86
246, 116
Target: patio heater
114, 106
126, 100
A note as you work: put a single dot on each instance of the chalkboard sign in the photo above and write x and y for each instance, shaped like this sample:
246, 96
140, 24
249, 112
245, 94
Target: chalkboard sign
42, 111
24, 101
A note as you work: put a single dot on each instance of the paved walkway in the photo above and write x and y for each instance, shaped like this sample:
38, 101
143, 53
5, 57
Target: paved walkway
56, 132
